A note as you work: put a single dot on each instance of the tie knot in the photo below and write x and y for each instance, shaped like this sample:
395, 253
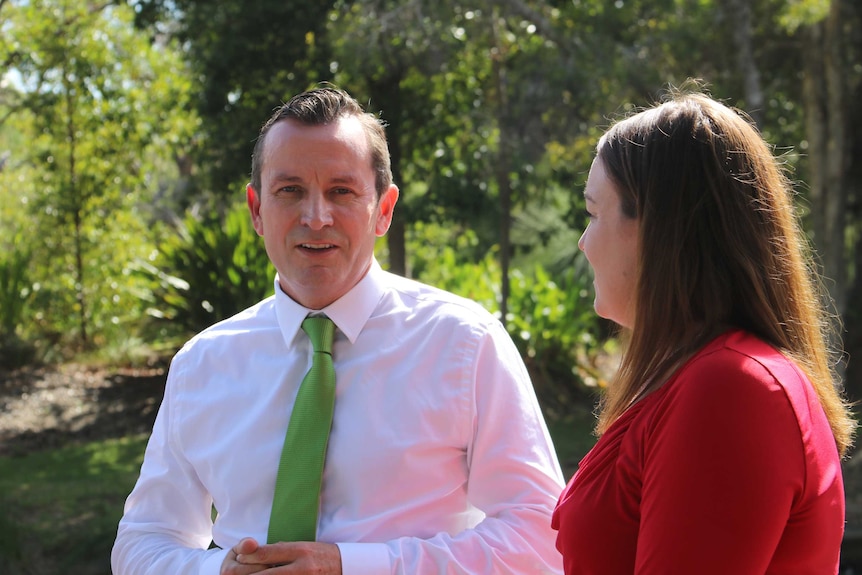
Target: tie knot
320, 330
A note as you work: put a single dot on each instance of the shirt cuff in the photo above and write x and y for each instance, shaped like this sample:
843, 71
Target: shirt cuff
364, 559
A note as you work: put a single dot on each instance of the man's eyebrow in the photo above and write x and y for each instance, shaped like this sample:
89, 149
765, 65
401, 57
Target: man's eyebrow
289, 177
280, 177
344, 179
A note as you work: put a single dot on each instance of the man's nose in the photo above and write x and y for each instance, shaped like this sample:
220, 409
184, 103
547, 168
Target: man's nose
316, 211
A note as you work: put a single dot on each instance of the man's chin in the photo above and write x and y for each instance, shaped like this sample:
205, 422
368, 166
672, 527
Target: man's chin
316, 289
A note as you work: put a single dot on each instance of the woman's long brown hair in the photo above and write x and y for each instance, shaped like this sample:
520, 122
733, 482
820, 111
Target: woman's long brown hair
720, 246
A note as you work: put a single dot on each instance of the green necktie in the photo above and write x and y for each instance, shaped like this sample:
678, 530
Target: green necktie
300, 471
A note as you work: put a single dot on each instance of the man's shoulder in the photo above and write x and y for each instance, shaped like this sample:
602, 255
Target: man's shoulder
444, 303
260, 316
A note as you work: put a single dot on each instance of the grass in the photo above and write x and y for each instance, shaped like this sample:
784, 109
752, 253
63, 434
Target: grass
59, 509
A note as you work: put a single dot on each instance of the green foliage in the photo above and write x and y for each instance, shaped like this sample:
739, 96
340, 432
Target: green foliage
247, 56
100, 134
551, 317
100, 109
573, 436
14, 287
14, 295
208, 269
447, 257
797, 13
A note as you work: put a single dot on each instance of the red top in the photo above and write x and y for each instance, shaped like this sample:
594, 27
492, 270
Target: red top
728, 468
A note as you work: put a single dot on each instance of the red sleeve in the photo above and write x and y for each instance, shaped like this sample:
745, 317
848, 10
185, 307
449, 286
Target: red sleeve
722, 463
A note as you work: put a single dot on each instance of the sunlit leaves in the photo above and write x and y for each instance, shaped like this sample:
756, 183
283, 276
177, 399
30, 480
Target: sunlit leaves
797, 13
102, 111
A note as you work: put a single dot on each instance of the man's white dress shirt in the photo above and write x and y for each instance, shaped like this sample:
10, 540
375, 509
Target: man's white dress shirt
439, 460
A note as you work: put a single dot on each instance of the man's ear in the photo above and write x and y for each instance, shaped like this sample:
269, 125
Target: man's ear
253, 200
386, 207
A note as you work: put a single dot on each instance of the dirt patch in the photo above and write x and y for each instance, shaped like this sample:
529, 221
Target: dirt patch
48, 407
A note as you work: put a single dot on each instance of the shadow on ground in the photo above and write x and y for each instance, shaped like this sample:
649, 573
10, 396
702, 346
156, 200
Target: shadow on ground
44, 408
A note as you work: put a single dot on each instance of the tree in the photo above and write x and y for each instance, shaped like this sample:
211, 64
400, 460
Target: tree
441, 74
386, 51
248, 57
99, 104
833, 86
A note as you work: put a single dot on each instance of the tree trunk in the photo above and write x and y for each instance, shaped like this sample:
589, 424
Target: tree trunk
77, 215
739, 13
386, 96
832, 87
504, 165
845, 26
826, 122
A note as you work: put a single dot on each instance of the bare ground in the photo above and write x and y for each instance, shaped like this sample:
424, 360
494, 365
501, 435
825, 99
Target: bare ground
48, 407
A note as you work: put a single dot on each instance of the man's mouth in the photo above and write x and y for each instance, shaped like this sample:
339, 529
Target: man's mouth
316, 246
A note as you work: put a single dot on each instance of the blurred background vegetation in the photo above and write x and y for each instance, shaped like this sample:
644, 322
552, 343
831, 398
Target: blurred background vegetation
126, 130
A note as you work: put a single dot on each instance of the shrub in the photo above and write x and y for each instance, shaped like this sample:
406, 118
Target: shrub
208, 269
14, 295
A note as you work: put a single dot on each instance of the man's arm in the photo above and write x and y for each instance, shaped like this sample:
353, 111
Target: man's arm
513, 477
167, 521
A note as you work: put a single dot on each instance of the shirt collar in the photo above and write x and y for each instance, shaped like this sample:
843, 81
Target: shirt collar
349, 313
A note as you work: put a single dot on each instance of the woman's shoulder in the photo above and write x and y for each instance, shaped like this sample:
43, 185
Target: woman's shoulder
738, 363
741, 354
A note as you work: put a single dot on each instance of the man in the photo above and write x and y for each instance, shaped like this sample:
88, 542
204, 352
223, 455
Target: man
438, 458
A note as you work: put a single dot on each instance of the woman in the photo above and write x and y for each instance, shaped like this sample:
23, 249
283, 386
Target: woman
722, 432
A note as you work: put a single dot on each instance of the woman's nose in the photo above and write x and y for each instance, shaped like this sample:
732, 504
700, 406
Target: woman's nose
581, 239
